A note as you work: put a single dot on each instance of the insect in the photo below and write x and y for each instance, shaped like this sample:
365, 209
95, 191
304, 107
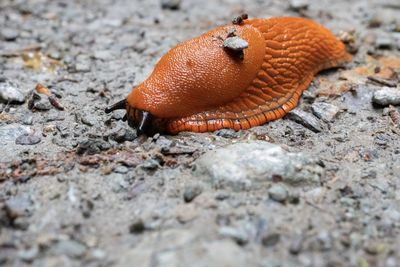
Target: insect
236, 76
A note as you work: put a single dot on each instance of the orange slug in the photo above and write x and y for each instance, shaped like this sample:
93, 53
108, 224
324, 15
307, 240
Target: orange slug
236, 76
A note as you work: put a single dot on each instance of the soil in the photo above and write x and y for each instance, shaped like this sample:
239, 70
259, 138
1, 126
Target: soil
78, 187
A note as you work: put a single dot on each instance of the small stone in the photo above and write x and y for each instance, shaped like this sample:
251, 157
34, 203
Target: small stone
121, 169
278, 193
29, 255
240, 237
306, 119
70, 248
123, 134
92, 146
51, 128
235, 43
191, 192
270, 240
19, 206
383, 41
10, 93
296, 245
374, 248
82, 63
119, 184
98, 254
40, 102
8, 133
171, 4
88, 120
86, 206
27, 139
392, 215
375, 22
186, 213
9, 34
298, 5
54, 54
137, 227
324, 111
391, 262
386, 96
324, 241
27, 120
150, 164
227, 133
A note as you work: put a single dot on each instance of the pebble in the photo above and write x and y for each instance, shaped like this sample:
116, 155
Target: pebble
121, 169
123, 134
186, 213
306, 119
150, 164
98, 254
278, 193
51, 128
374, 248
88, 120
239, 235
30, 254
10, 93
391, 215
137, 227
297, 5
296, 245
191, 192
9, 132
391, 262
70, 248
235, 43
227, 133
86, 206
82, 64
8, 34
241, 166
27, 139
324, 111
386, 96
325, 241
27, 120
270, 239
92, 146
19, 206
39, 102
383, 41
171, 4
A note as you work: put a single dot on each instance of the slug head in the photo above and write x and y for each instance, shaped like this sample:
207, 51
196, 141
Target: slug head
141, 120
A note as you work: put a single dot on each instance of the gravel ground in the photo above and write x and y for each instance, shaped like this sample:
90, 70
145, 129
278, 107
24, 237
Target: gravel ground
78, 188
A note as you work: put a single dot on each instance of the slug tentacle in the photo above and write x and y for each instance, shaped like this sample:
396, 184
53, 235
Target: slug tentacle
119, 105
144, 123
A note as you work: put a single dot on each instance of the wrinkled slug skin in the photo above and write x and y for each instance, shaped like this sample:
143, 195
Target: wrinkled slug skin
197, 86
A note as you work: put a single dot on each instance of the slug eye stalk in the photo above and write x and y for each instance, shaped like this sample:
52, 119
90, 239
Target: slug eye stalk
119, 105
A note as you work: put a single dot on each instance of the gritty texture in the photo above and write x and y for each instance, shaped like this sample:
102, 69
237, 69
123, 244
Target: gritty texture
91, 193
249, 165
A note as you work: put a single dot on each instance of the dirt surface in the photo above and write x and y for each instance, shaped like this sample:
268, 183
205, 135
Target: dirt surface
78, 188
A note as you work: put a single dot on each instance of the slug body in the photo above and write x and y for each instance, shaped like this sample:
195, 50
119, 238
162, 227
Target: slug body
201, 86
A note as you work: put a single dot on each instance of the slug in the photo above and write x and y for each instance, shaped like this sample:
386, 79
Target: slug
236, 76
